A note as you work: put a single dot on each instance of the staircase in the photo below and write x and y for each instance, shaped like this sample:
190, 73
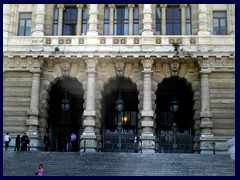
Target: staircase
116, 164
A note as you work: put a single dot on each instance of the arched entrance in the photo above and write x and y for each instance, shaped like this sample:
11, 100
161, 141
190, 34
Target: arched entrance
174, 129
113, 139
62, 123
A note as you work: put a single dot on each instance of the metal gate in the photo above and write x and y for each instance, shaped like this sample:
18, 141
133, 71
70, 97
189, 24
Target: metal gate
118, 141
174, 142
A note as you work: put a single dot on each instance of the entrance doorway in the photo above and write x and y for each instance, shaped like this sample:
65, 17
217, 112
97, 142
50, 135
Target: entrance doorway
174, 129
116, 140
62, 123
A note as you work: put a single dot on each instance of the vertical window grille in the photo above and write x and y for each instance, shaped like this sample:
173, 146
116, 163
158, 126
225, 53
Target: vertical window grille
173, 21
121, 20
106, 20
219, 23
158, 20
24, 27
55, 21
136, 21
70, 20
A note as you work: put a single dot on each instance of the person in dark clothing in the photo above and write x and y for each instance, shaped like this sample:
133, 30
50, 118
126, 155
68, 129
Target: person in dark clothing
46, 142
18, 142
24, 141
136, 140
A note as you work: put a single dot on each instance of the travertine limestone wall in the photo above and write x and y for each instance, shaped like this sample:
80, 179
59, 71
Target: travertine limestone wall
16, 100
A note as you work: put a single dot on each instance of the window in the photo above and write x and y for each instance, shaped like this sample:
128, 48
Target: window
158, 20
84, 20
173, 21
219, 23
24, 28
55, 21
136, 21
106, 20
70, 21
188, 21
121, 20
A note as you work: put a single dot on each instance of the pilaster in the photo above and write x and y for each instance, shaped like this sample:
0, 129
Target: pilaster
163, 25
112, 7
147, 136
89, 123
40, 20
33, 112
147, 20
60, 18
79, 19
93, 20
130, 6
183, 18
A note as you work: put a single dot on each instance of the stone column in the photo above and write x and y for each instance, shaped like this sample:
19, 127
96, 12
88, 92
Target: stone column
6, 19
147, 137
32, 122
205, 115
163, 12
111, 19
79, 19
147, 20
232, 12
130, 6
93, 20
6, 24
89, 123
60, 18
183, 18
203, 20
40, 20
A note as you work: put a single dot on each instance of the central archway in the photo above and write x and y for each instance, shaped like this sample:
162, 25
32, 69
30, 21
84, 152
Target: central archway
129, 95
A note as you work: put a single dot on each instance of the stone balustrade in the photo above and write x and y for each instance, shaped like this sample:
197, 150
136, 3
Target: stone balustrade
117, 43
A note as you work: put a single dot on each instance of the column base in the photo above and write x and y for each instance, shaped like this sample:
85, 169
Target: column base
147, 143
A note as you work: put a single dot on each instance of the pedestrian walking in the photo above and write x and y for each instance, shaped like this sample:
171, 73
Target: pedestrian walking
73, 140
136, 140
17, 142
24, 142
39, 171
7, 139
46, 142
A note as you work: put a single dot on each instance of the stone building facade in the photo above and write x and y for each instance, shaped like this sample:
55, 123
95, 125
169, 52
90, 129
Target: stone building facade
95, 45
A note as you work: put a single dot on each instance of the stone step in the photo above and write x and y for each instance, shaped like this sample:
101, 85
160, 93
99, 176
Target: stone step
116, 164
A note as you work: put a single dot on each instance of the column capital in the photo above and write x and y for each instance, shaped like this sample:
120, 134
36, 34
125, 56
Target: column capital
147, 64
91, 65
111, 6
163, 6
79, 6
60, 6
183, 5
205, 72
131, 6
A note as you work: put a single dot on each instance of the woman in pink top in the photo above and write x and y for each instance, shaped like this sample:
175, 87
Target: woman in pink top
39, 170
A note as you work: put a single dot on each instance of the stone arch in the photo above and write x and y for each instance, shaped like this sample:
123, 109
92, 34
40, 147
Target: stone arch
52, 72
190, 72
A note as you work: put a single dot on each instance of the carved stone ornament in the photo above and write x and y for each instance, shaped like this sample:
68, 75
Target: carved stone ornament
119, 68
174, 68
65, 68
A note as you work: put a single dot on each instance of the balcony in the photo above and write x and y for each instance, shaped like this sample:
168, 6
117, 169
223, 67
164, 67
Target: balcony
115, 45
